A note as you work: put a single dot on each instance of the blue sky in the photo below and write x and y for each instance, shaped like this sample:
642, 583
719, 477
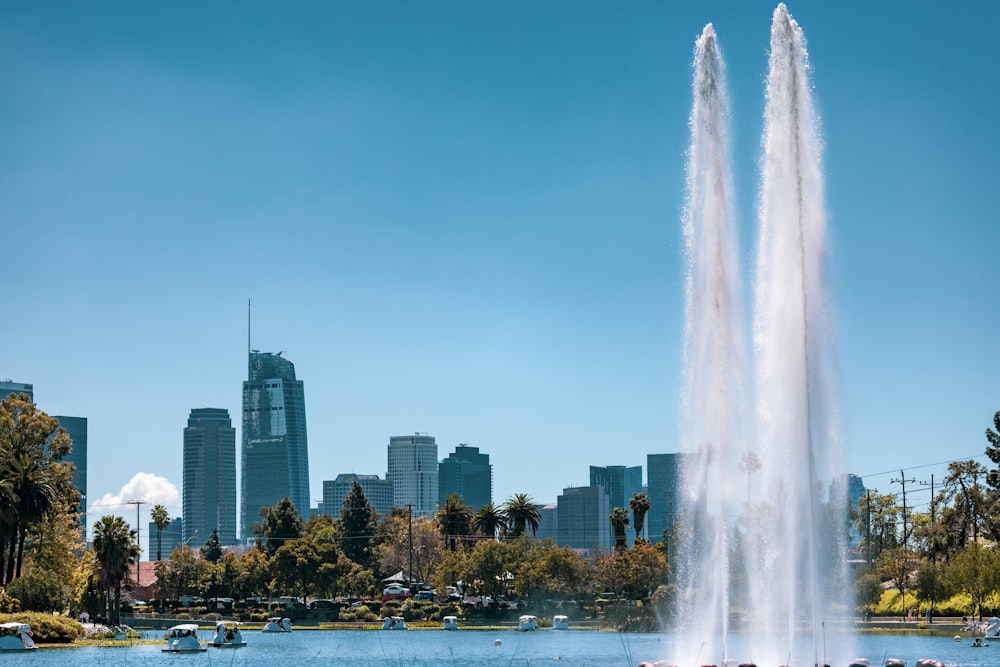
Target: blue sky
464, 219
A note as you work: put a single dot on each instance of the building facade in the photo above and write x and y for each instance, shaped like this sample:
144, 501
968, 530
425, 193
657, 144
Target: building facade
413, 472
171, 538
663, 484
209, 468
468, 473
76, 429
583, 519
378, 491
8, 387
275, 452
620, 483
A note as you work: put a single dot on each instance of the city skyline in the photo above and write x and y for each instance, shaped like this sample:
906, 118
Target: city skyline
465, 220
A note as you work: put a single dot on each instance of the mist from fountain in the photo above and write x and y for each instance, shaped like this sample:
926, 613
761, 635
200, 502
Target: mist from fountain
760, 542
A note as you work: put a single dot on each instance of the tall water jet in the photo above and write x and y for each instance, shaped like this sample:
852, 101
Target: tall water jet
798, 575
759, 545
713, 427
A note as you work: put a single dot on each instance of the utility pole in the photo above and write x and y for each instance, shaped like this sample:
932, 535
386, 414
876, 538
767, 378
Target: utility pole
138, 504
409, 530
868, 526
902, 481
933, 550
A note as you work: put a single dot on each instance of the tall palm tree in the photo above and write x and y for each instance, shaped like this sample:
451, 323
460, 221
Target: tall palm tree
116, 549
639, 504
161, 519
36, 496
619, 524
521, 513
489, 521
454, 519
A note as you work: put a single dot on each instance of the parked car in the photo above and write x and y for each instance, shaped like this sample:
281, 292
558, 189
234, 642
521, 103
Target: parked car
324, 604
424, 595
395, 589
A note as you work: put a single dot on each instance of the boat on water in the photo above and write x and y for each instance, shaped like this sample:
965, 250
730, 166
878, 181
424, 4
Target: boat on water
184, 639
16, 637
527, 622
928, 662
560, 622
449, 623
859, 662
277, 624
894, 662
228, 635
393, 623
980, 642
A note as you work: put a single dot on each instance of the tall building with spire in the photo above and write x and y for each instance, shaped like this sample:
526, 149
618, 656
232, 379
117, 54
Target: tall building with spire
275, 453
209, 496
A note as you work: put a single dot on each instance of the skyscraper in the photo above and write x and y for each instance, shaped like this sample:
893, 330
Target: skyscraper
468, 473
620, 483
76, 428
413, 471
209, 495
583, 519
378, 491
275, 460
663, 472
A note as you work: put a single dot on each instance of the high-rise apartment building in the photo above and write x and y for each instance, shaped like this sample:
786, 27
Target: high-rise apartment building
548, 525
76, 429
275, 458
413, 472
583, 519
468, 473
663, 482
209, 469
378, 491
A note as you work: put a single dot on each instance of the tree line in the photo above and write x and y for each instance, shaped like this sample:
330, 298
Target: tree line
948, 551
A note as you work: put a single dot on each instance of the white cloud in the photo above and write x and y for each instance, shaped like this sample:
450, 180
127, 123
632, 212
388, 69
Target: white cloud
145, 486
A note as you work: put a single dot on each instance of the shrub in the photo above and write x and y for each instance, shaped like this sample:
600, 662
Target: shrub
8, 603
47, 628
39, 591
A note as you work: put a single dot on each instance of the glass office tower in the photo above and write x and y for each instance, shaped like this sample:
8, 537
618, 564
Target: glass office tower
275, 459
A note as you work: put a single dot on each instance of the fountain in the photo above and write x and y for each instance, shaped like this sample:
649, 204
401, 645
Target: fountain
760, 543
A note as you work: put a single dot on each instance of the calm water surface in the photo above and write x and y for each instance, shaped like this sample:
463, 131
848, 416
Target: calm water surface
471, 648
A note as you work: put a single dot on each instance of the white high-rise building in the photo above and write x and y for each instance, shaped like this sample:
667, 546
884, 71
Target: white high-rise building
413, 471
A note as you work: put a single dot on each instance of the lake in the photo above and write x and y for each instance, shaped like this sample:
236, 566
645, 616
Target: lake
472, 648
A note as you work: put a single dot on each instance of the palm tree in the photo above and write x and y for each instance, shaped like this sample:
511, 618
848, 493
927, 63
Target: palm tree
619, 524
116, 549
489, 521
639, 504
454, 519
749, 463
161, 520
36, 496
521, 513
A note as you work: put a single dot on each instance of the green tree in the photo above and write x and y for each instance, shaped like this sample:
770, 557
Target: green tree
279, 523
489, 521
993, 450
930, 585
116, 549
965, 503
40, 590
521, 513
310, 563
974, 571
633, 573
394, 539
161, 520
35, 482
867, 590
358, 520
184, 573
454, 520
883, 512
212, 551
619, 526
553, 573
639, 504
254, 578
